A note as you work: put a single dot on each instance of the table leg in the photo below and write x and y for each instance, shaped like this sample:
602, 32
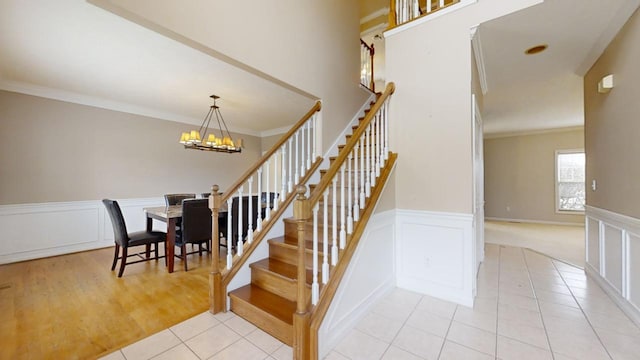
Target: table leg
149, 228
171, 242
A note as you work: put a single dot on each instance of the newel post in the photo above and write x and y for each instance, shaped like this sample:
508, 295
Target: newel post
392, 15
301, 212
217, 301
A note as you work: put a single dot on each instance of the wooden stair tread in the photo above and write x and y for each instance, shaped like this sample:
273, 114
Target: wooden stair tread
266, 301
285, 270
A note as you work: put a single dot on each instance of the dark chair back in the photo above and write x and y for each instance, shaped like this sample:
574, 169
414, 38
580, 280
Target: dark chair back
196, 221
176, 199
245, 216
120, 234
272, 197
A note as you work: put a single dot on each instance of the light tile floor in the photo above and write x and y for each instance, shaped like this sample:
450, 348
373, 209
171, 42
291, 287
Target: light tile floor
529, 306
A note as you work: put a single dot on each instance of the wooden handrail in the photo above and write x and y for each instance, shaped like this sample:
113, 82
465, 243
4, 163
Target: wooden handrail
227, 194
344, 153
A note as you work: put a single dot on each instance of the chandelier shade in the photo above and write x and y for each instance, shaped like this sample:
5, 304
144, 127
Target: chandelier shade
223, 143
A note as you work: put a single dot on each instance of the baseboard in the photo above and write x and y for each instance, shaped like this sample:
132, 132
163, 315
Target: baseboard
613, 257
526, 221
362, 285
434, 254
32, 231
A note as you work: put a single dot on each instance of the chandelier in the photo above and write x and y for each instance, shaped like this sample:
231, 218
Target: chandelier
224, 143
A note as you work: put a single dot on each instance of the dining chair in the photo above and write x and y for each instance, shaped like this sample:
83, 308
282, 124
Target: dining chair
196, 227
176, 199
125, 240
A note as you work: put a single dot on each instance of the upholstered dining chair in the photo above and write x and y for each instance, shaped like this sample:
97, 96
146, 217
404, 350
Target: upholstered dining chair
196, 227
125, 240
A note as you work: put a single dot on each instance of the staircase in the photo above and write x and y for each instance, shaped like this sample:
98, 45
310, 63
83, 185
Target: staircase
271, 300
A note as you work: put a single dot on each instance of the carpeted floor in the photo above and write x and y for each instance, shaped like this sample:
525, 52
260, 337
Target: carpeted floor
564, 243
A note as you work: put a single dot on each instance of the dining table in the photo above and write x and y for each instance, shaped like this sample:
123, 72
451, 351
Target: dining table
169, 215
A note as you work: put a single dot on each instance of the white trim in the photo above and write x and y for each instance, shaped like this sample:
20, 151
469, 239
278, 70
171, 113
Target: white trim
39, 230
434, 254
429, 17
532, 132
527, 221
626, 227
374, 15
99, 102
480, 64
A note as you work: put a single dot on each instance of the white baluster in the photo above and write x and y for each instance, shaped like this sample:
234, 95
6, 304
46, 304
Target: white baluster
297, 177
283, 192
378, 143
363, 173
334, 223
290, 184
386, 130
315, 288
260, 219
315, 134
268, 189
428, 6
382, 136
240, 245
309, 144
367, 162
250, 216
372, 153
441, 5
303, 149
350, 196
275, 181
229, 239
343, 231
356, 192
325, 238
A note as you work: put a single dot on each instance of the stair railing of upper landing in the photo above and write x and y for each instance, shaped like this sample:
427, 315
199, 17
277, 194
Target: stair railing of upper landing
403, 11
366, 65
363, 157
268, 185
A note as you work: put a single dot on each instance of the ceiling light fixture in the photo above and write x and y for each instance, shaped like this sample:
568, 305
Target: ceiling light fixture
536, 49
224, 143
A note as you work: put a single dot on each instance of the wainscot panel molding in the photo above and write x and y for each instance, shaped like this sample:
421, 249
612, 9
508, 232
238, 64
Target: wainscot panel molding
434, 254
369, 277
32, 231
527, 221
613, 257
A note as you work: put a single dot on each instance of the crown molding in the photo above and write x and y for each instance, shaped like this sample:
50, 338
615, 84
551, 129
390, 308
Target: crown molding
531, 132
99, 102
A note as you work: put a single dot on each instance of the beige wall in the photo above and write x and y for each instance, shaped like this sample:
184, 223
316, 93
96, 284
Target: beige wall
612, 125
310, 45
56, 151
430, 124
520, 174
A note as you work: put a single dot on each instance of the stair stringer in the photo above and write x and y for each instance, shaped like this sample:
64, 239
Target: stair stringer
362, 285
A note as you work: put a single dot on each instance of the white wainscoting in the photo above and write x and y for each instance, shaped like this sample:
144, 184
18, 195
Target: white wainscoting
613, 257
435, 254
370, 276
31, 231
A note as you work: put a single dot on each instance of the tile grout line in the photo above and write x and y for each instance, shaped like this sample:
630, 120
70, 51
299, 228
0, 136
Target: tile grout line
444, 341
546, 334
582, 310
404, 323
182, 342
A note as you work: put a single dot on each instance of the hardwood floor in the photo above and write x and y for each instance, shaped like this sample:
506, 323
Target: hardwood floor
74, 307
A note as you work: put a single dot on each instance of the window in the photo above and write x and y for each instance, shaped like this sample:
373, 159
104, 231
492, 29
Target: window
570, 190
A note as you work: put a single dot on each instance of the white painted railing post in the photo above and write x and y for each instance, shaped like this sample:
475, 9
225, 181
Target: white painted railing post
334, 223
250, 218
229, 234
325, 237
343, 220
315, 287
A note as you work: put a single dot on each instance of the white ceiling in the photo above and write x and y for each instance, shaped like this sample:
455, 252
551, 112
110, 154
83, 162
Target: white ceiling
71, 50
545, 91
